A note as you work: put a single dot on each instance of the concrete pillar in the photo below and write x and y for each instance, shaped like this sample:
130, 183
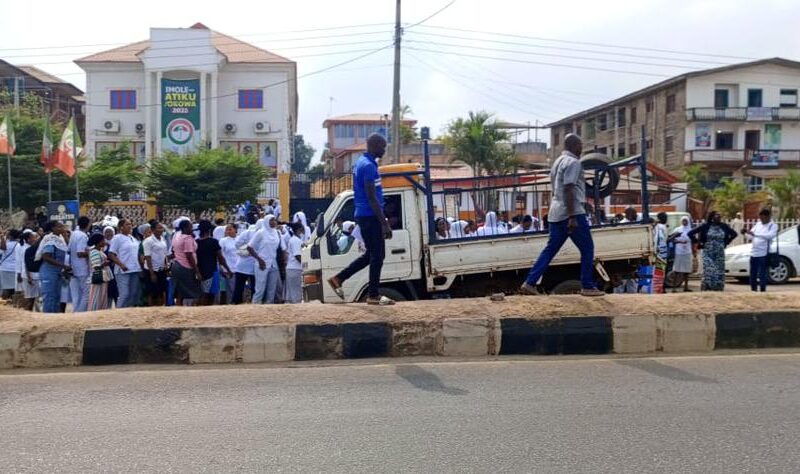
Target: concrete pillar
159, 76
148, 115
214, 126
203, 109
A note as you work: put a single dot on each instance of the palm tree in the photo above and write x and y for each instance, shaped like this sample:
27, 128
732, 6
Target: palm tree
786, 194
478, 143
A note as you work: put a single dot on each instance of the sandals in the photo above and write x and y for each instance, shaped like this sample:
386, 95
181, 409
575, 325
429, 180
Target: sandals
336, 286
382, 301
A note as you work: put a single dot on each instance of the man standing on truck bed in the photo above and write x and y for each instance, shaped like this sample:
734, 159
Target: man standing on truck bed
368, 200
567, 219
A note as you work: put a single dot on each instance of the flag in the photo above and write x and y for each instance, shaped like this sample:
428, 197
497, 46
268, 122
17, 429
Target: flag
47, 148
7, 144
68, 150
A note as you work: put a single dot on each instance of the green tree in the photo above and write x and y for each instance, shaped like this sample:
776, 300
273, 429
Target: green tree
478, 143
208, 179
785, 193
695, 177
318, 169
303, 153
408, 134
729, 197
114, 174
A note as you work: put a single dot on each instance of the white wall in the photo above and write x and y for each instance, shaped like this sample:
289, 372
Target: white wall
100, 80
770, 78
790, 133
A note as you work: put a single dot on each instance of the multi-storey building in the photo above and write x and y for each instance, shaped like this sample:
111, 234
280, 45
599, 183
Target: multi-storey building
738, 121
186, 88
60, 99
347, 137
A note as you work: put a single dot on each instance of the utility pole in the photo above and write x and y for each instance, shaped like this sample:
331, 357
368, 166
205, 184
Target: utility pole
398, 33
16, 93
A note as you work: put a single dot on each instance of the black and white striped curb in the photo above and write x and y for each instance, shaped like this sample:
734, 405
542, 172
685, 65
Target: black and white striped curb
468, 337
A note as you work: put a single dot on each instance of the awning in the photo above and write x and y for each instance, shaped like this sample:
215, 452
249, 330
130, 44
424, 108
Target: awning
767, 174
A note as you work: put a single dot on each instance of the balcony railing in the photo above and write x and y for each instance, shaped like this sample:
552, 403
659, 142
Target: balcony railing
740, 114
737, 156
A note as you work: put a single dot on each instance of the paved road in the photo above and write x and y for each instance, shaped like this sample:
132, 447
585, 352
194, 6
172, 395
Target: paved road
704, 414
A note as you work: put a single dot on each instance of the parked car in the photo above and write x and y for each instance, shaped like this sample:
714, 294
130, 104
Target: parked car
737, 258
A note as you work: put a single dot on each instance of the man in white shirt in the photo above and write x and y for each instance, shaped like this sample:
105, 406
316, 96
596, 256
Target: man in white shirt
294, 265
79, 259
567, 220
155, 264
763, 234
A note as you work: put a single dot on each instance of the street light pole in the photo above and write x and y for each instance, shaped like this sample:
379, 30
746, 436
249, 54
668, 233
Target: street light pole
398, 33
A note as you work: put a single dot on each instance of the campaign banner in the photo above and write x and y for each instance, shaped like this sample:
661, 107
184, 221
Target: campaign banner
180, 115
66, 212
764, 158
702, 135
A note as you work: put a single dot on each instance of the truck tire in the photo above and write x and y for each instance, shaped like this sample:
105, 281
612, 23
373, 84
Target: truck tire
609, 182
567, 287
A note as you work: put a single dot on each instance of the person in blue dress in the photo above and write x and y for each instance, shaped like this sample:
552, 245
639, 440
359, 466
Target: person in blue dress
52, 252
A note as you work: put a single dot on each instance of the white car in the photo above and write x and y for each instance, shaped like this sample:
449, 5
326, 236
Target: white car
737, 258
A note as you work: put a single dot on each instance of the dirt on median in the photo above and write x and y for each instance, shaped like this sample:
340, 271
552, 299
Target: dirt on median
14, 320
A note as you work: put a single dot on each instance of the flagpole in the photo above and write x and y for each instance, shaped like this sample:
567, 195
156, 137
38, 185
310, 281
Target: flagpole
75, 139
49, 185
8, 163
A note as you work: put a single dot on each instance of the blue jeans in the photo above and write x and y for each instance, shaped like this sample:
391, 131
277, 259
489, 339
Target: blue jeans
129, 289
758, 272
372, 232
581, 237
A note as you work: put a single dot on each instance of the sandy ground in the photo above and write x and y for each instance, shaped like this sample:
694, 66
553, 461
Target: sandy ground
12, 320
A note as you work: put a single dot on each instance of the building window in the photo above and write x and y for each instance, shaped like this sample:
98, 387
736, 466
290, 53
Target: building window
602, 122
123, 100
620, 151
578, 129
251, 99
633, 115
755, 183
724, 140
567, 129
721, 98
754, 98
668, 144
621, 117
590, 131
648, 106
788, 97
556, 139
602, 150
649, 143
670, 103
632, 149
612, 123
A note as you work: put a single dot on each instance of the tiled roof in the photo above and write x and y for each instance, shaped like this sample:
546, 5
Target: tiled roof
234, 50
40, 75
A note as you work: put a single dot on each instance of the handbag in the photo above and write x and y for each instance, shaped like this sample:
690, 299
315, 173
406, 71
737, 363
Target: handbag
774, 258
97, 277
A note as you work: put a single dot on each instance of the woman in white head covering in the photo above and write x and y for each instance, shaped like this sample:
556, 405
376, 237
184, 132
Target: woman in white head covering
682, 265
346, 240
264, 247
490, 226
300, 217
245, 268
457, 229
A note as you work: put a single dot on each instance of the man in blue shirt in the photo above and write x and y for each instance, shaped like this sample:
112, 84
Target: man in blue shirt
368, 200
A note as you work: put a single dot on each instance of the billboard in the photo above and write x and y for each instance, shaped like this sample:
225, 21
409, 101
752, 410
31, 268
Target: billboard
180, 115
702, 135
764, 158
66, 212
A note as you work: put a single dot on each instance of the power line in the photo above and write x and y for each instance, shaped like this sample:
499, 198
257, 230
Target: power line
541, 63
181, 39
587, 43
561, 48
431, 15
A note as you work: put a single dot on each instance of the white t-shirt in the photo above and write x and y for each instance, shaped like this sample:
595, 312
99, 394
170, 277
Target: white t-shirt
9, 257
763, 235
683, 244
78, 242
295, 250
156, 249
246, 265
126, 248
266, 243
20, 259
228, 245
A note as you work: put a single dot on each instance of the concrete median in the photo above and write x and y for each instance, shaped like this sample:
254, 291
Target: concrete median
472, 328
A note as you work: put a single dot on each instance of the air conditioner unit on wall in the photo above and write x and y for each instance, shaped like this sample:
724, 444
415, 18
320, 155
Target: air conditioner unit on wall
230, 128
262, 127
111, 126
140, 129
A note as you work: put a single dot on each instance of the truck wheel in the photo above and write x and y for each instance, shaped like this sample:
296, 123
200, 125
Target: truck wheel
567, 287
609, 182
390, 293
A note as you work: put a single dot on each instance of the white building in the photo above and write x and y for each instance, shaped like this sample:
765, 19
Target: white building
189, 87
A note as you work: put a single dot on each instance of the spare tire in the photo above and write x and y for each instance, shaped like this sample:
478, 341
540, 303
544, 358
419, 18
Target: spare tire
608, 177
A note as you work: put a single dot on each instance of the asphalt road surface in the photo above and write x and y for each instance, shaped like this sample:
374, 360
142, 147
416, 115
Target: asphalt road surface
728, 413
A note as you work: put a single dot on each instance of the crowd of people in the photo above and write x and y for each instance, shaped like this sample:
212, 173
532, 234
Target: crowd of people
113, 263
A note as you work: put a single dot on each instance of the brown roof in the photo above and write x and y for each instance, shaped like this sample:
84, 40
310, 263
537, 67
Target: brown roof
40, 75
672, 81
362, 118
234, 50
